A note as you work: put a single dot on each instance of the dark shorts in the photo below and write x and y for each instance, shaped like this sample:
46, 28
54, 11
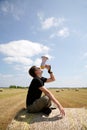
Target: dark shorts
39, 104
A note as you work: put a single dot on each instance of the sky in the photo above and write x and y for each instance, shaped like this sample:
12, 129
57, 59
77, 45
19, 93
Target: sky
30, 29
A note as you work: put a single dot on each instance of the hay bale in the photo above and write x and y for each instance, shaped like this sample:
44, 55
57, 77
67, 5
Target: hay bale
1, 90
75, 119
76, 89
57, 91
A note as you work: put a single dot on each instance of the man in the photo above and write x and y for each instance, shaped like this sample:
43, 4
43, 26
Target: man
34, 101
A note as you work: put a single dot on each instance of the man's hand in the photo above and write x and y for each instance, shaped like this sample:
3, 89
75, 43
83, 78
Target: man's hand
51, 96
62, 112
48, 67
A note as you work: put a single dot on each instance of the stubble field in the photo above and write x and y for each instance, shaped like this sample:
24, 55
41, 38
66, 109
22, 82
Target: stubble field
12, 100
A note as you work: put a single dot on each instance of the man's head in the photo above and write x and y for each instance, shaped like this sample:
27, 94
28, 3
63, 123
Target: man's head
35, 71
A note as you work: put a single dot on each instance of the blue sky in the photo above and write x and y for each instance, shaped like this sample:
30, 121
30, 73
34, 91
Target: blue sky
55, 28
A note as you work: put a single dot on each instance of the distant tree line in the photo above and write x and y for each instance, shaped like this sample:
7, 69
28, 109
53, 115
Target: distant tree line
14, 86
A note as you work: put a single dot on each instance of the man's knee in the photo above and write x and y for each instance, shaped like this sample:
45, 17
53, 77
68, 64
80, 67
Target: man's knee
46, 100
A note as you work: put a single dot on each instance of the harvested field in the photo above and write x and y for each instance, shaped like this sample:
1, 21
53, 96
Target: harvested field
71, 98
13, 100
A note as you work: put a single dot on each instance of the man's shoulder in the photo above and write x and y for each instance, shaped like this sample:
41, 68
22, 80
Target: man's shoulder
39, 79
36, 79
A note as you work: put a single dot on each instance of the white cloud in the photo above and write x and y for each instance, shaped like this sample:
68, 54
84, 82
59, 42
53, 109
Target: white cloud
23, 48
16, 79
37, 62
24, 68
11, 8
63, 32
85, 54
5, 7
40, 15
86, 66
22, 51
22, 60
50, 22
5, 75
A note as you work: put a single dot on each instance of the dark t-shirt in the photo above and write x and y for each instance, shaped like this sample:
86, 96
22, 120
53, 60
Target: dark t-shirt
34, 92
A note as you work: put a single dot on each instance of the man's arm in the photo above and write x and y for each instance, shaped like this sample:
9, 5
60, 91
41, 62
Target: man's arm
51, 78
51, 96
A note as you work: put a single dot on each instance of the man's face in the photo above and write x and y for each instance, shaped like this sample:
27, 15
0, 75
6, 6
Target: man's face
38, 71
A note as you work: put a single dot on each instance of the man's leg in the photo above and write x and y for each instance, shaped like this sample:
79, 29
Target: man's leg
40, 104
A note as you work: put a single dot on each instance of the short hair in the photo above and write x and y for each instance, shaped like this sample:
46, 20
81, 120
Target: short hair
32, 71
